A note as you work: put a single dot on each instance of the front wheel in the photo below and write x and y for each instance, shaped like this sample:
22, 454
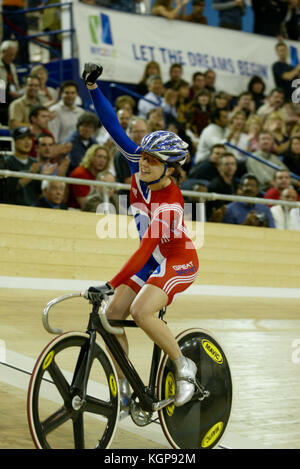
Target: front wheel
58, 416
201, 422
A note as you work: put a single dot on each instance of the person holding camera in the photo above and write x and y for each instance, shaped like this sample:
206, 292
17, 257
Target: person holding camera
250, 214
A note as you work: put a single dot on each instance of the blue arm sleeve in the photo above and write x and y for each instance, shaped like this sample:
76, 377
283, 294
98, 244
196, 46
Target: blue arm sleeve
108, 118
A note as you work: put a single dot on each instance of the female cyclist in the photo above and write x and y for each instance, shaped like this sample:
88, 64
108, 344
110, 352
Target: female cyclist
166, 262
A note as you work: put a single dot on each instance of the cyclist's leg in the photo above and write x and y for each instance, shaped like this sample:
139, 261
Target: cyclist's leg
119, 308
171, 278
150, 300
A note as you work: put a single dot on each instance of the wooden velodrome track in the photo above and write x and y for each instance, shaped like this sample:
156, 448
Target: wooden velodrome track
247, 294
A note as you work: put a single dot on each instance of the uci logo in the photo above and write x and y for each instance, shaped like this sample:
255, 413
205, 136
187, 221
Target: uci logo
100, 29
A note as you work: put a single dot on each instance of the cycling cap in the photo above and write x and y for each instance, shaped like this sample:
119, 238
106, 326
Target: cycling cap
166, 146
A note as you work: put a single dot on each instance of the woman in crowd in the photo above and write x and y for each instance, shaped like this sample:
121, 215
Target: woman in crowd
276, 126
165, 8
96, 160
48, 95
199, 112
253, 127
151, 68
291, 158
237, 135
256, 87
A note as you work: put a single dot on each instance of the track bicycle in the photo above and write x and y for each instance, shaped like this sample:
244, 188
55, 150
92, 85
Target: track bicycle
73, 395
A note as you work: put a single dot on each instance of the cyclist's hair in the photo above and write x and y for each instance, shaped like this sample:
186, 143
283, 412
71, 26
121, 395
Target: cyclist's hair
178, 174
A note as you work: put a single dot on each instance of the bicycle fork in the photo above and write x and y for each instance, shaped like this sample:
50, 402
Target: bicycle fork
82, 371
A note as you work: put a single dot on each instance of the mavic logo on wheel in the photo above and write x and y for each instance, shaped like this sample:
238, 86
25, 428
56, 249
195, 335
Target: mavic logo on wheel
100, 29
212, 351
212, 435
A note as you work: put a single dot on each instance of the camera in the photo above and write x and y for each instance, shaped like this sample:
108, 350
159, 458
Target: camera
6, 146
261, 218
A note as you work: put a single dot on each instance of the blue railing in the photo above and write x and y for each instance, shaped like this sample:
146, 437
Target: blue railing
35, 37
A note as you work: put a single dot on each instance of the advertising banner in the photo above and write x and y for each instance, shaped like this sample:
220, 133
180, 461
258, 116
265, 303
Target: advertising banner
124, 43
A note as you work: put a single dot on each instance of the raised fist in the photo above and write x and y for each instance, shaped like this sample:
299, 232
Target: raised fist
91, 73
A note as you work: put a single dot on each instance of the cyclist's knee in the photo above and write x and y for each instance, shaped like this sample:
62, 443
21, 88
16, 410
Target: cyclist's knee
114, 311
137, 313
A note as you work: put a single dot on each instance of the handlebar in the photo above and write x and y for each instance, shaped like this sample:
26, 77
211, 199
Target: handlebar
102, 314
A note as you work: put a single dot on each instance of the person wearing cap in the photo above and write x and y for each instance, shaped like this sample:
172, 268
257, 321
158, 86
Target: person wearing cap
19, 109
24, 191
197, 14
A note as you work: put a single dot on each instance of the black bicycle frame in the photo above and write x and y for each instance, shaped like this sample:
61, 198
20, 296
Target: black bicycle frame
146, 395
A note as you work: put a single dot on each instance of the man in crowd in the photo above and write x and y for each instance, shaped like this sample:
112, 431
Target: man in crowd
52, 195
224, 183
283, 72
275, 103
8, 73
198, 84
244, 213
24, 191
282, 180
175, 75
45, 147
210, 80
19, 109
264, 173
212, 134
66, 112
82, 138
207, 170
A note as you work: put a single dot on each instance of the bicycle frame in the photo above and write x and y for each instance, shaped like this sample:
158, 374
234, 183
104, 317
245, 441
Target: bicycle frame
146, 395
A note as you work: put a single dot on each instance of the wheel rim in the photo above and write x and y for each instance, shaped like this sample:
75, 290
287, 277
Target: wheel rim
57, 415
197, 424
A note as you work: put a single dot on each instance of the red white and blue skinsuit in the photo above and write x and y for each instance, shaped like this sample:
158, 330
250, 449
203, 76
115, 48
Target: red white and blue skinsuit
166, 256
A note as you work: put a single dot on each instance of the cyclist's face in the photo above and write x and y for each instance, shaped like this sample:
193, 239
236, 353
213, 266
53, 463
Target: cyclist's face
150, 168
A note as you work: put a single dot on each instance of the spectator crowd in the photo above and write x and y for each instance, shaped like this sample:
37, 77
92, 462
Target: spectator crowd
53, 134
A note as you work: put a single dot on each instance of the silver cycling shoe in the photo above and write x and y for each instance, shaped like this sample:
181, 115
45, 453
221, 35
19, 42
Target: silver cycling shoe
125, 394
185, 380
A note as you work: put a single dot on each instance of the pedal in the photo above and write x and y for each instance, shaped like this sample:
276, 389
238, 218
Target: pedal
161, 404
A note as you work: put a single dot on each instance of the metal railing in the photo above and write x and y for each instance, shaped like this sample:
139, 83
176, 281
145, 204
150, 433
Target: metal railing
200, 196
